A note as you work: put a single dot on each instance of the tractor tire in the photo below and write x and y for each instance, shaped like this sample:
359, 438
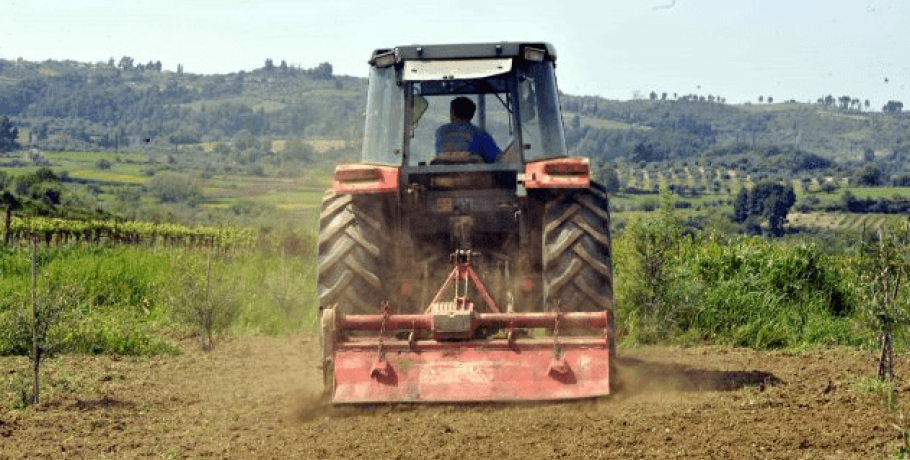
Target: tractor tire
352, 237
577, 255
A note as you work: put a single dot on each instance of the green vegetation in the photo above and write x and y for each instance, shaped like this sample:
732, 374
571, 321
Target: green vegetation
742, 291
134, 300
215, 181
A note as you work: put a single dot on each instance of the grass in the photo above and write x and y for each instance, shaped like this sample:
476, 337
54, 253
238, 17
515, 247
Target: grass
127, 295
109, 176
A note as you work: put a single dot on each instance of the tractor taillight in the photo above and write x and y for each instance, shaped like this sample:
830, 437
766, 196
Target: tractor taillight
557, 173
357, 175
365, 178
566, 169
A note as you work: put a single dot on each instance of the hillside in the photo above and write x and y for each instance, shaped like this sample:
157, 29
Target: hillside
79, 106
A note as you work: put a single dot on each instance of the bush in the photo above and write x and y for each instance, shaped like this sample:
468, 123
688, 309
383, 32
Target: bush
746, 292
760, 294
173, 187
651, 283
203, 298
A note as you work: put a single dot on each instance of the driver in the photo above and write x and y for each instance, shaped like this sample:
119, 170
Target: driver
461, 136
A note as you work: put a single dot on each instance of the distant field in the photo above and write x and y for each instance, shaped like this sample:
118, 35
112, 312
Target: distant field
92, 157
857, 222
109, 176
286, 194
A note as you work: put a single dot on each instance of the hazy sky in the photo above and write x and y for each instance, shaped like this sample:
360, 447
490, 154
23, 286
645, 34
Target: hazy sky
738, 49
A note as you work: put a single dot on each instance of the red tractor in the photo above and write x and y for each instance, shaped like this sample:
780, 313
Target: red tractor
467, 274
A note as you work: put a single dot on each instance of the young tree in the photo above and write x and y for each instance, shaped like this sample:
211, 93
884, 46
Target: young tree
8, 135
886, 266
205, 297
47, 303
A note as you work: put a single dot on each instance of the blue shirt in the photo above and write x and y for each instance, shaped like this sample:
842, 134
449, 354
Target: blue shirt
462, 136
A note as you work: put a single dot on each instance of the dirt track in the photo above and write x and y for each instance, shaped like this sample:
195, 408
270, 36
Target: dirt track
254, 397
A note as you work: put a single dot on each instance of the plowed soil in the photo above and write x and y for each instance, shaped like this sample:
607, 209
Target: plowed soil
258, 397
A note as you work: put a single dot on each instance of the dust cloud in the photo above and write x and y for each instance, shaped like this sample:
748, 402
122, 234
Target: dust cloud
311, 406
635, 377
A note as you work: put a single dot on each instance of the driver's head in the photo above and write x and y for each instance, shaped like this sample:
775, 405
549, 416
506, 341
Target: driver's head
462, 108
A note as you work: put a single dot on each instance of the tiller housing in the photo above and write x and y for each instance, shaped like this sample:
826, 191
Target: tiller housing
455, 353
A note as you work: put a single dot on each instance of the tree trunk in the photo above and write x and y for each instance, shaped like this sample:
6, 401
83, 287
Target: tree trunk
9, 221
36, 356
886, 360
36, 349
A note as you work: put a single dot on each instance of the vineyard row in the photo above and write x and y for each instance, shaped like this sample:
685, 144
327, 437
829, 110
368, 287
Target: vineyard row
63, 231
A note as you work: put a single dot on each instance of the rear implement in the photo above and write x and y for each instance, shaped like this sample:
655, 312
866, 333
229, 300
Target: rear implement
396, 366
452, 353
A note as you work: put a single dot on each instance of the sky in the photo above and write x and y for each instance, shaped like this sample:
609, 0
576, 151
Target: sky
736, 49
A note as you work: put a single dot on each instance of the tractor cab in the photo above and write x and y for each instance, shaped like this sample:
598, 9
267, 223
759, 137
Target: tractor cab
513, 86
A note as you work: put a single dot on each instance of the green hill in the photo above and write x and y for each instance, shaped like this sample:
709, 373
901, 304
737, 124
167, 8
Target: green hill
72, 106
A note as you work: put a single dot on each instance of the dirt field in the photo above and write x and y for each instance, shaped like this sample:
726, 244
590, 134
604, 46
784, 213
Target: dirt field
254, 397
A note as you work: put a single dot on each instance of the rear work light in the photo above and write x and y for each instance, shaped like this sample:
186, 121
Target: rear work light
385, 59
566, 169
357, 175
535, 54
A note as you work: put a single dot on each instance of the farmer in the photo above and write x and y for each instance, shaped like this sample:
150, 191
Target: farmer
461, 136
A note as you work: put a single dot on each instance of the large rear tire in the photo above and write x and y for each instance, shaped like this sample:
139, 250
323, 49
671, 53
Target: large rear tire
577, 255
352, 237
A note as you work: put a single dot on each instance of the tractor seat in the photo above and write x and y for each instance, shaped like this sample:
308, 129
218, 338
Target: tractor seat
456, 158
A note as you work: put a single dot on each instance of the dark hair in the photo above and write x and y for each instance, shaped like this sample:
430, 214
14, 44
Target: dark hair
463, 108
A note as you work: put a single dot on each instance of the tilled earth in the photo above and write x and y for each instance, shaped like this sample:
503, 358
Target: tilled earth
258, 397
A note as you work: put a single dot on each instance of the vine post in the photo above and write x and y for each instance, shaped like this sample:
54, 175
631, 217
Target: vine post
33, 300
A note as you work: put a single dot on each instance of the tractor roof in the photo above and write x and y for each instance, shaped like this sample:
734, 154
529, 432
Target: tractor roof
465, 51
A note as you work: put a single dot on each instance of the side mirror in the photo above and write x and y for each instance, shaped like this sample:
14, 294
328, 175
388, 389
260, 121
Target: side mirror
418, 108
527, 100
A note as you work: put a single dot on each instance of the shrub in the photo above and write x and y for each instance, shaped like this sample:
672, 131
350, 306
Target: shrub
760, 294
204, 298
173, 187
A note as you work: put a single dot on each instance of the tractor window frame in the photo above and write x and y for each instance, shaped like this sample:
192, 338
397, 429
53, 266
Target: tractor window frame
384, 118
389, 126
